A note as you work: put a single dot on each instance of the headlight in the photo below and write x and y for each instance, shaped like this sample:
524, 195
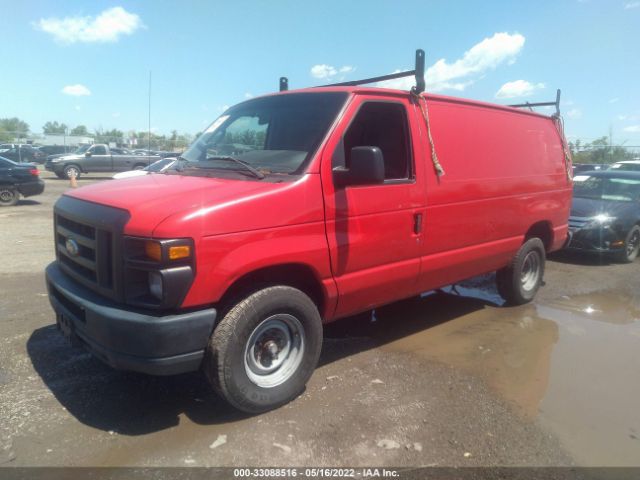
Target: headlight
602, 219
155, 285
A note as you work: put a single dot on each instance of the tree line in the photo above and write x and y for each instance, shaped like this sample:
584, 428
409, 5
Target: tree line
600, 151
16, 129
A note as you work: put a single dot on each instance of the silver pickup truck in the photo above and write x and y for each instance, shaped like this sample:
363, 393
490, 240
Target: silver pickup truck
97, 158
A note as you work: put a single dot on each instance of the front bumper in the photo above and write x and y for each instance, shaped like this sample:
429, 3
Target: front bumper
598, 239
125, 338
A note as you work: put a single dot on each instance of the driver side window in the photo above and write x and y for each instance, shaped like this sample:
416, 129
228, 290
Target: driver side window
382, 125
98, 150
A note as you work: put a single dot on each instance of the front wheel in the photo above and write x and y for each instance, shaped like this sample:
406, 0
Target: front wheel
8, 196
631, 246
72, 171
519, 281
263, 352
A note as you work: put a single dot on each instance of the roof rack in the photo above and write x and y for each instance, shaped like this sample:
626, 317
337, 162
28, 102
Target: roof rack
542, 104
418, 72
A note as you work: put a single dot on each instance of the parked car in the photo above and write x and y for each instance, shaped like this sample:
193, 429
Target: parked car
19, 152
587, 167
18, 179
605, 214
233, 262
48, 150
627, 166
160, 166
97, 158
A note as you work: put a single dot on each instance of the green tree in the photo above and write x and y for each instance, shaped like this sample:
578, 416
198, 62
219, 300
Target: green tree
11, 128
80, 130
54, 128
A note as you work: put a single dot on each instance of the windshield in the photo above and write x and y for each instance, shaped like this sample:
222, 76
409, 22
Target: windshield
159, 165
606, 188
276, 134
81, 149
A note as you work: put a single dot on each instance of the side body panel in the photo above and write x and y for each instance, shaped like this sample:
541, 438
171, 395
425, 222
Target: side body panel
505, 171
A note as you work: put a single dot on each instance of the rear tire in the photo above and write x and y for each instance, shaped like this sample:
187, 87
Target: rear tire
139, 166
263, 352
9, 196
631, 246
519, 281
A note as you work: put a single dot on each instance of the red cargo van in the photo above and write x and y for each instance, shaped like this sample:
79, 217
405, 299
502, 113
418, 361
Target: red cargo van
295, 209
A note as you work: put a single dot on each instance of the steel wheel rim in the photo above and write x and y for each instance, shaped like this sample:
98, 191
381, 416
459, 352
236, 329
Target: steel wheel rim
6, 195
274, 350
530, 271
633, 244
72, 172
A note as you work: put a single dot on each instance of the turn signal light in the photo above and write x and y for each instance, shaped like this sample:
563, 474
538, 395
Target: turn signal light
180, 251
153, 250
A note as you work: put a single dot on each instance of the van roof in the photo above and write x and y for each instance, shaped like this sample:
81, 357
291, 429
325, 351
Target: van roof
404, 93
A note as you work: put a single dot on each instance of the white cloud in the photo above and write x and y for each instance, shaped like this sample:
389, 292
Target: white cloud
614, 100
115, 114
630, 5
574, 113
248, 95
458, 75
78, 107
518, 88
323, 71
107, 26
632, 129
76, 90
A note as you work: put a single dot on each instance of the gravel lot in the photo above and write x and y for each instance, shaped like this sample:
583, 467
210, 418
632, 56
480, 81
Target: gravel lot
449, 379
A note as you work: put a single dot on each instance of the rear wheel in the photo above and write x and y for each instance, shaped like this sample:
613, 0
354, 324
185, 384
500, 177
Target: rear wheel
8, 196
139, 166
264, 350
72, 171
631, 246
519, 281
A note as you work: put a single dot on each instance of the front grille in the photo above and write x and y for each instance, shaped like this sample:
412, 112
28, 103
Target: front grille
88, 241
93, 260
576, 223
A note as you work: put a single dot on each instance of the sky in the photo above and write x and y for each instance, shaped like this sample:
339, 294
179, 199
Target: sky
88, 63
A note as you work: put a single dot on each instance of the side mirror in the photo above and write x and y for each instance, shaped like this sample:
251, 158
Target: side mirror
367, 168
87, 154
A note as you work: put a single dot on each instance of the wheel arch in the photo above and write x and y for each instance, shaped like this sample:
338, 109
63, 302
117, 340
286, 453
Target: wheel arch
542, 230
296, 275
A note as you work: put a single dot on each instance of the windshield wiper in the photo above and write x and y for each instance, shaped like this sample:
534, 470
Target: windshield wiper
247, 166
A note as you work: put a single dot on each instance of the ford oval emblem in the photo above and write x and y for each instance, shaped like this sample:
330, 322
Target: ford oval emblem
72, 247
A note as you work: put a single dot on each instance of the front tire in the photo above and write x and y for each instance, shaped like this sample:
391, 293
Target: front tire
519, 281
263, 352
72, 170
8, 196
631, 246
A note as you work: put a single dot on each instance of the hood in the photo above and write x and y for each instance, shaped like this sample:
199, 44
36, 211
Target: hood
64, 157
587, 207
167, 206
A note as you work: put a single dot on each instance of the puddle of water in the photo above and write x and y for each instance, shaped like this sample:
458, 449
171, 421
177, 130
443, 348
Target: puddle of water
573, 363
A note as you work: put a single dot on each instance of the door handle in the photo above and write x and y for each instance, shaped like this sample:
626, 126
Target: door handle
417, 223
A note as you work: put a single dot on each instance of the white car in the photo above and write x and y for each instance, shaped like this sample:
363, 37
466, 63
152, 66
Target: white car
156, 167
